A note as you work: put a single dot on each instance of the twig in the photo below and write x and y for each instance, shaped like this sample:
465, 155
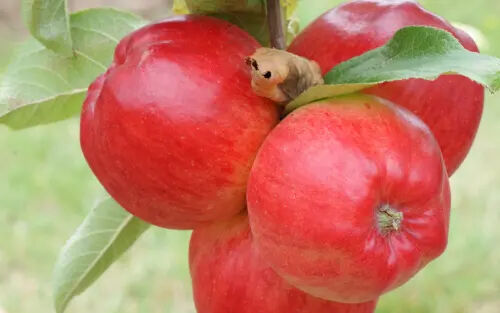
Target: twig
276, 22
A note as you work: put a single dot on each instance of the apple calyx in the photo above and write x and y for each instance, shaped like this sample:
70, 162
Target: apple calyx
388, 219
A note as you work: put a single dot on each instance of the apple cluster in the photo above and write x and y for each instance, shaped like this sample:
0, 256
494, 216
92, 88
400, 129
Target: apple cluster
322, 211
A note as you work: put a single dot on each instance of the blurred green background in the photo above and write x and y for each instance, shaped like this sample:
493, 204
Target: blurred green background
46, 189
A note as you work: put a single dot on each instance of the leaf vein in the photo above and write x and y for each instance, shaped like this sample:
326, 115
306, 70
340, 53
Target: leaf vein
86, 56
97, 259
96, 32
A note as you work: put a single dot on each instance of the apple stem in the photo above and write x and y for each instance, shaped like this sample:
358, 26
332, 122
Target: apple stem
389, 219
275, 21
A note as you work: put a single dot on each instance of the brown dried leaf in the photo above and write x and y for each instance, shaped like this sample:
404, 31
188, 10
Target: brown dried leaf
280, 75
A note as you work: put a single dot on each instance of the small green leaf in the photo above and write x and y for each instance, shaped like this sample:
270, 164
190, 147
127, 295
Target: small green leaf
105, 234
249, 15
254, 24
226, 6
40, 86
414, 52
319, 92
48, 22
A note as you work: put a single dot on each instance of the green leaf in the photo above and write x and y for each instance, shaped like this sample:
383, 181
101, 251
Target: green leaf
40, 86
105, 234
413, 52
254, 24
319, 92
250, 15
226, 6
48, 22
418, 52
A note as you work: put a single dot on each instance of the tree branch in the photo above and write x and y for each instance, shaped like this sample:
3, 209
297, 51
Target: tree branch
276, 24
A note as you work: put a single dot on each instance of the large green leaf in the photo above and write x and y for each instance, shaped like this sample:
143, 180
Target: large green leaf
48, 21
105, 234
40, 86
413, 52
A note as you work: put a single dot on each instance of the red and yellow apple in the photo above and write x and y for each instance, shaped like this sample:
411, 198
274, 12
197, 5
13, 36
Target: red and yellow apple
348, 198
230, 276
451, 105
172, 128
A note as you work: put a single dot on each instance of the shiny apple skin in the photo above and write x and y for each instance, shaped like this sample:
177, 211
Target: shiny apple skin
172, 128
316, 185
230, 276
451, 105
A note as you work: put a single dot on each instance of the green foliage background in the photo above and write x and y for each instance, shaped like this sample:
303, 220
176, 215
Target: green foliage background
46, 189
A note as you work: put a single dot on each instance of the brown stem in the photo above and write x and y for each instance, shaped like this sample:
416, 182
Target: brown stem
275, 21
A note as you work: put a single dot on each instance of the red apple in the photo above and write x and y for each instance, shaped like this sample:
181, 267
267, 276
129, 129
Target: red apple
451, 105
348, 198
230, 276
172, 128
